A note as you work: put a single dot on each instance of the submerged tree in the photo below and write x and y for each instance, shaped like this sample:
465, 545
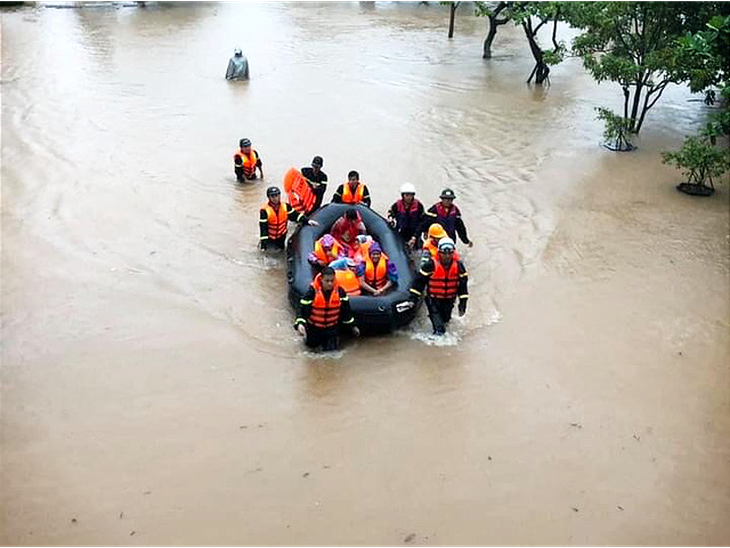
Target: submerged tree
531, 16
482, 9
635, 45
705, 60
616, 130
700, 161
452, 15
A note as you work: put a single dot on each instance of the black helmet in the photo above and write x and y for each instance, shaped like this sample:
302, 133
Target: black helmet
273, 191
447, 193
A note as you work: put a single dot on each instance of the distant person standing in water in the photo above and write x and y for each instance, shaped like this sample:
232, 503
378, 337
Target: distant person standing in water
245, 162
237, 66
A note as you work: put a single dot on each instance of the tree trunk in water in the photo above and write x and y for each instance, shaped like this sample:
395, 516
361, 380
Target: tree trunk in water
635, 107
541, 70
451, 19
490, 38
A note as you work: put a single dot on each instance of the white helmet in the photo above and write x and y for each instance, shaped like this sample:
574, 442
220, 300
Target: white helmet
407, 188
446, 243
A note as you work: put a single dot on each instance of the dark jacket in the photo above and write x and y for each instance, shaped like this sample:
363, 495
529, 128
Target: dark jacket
450, 220
407, 221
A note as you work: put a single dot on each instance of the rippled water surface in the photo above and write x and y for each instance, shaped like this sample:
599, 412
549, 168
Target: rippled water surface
153, 390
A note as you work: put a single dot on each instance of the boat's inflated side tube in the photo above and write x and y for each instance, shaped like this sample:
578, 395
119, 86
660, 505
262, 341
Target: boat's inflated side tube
379, 314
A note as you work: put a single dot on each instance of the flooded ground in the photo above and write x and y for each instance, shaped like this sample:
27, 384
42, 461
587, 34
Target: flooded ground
153, 390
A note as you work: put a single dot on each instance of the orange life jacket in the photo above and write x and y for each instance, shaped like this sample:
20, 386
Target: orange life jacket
361, 251
347, 280
444, 284
249, 162
432, 248
299, 192
376, 276
349, 198
277, 220
325, 312
323, 256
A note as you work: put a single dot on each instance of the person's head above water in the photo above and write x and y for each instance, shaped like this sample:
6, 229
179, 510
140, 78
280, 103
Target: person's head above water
245, 144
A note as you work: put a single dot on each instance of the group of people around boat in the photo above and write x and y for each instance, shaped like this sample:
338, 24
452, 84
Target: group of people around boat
347, 261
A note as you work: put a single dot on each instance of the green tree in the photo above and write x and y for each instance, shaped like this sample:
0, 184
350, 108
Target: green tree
635, 44
700, 161
616, 130
705, 62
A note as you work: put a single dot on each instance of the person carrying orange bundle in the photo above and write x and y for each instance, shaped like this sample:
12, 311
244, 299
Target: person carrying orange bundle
323, 311
317, 180
246, 161
274, 217
299, 192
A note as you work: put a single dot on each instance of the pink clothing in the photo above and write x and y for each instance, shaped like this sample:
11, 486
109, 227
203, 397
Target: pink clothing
345, 231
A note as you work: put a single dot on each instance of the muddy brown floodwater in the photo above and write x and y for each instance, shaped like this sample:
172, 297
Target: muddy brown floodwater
153, 389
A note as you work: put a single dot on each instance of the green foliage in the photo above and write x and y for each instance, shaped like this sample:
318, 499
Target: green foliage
524, 14
636, 44
699, 160
615, 129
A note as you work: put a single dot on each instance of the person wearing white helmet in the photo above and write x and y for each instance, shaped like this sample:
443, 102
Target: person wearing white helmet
237, 66
444, 279
406, 216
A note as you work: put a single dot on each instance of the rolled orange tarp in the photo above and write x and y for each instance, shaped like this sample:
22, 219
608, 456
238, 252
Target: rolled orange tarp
299, 192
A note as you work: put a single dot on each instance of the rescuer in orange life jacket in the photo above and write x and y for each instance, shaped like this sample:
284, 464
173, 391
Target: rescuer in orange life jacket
352, 192
245, 162
274, 217
322, 311
447, 280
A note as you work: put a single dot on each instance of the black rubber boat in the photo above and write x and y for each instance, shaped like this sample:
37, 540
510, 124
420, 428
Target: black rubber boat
373, 314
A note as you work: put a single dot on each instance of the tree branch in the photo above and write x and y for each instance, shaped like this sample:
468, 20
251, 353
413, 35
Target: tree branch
661, 87
534, 33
